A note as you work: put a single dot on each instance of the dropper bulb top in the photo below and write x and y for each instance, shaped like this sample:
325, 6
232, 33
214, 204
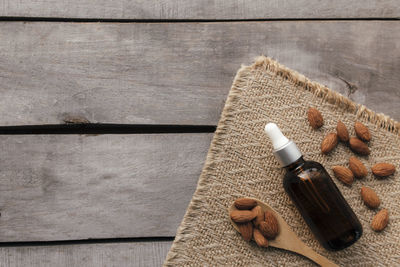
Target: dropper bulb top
277, 138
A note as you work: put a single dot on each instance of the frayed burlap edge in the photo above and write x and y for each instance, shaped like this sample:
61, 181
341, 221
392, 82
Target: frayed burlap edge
262, 63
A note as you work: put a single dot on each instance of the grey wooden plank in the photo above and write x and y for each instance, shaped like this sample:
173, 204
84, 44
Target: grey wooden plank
146, 254
69, 187
180, 73
200, 9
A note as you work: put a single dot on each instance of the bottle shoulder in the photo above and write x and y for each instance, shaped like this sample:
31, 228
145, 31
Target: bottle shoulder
307, 165
310, 169
312, 164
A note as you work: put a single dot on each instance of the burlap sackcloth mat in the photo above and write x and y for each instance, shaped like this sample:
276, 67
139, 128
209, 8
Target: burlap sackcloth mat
240, 163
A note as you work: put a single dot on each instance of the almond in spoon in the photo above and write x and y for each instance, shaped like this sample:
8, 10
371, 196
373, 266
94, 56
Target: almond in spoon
246, 230
245, 203
259, 238
242, 216
270, 227
259, 215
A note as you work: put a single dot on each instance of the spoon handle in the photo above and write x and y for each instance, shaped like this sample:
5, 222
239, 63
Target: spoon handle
308, 252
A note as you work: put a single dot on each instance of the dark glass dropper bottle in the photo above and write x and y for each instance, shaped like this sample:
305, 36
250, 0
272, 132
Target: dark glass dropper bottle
315, 195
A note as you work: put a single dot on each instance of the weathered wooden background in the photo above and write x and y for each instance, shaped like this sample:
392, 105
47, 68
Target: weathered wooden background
117, 199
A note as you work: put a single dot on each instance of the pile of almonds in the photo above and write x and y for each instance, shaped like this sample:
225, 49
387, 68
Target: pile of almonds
356, 168
253, 222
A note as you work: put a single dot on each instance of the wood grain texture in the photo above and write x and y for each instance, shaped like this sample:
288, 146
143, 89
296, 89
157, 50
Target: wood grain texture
70, 187
180, 73
200, 9
138, 254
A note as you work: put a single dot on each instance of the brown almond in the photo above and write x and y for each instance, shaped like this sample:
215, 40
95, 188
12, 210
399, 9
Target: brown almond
357, 167
329, 143
380, 220
259, 238
383, 169
359, 146
315, 118
343, 174
242, 216
259, 215
362, 131
246, 230
369, 197
270, 227
245, 203
342, 132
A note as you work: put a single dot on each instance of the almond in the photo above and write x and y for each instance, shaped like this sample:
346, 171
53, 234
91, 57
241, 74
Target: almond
369, 197
380, 220
245, 203
362, 131
342, 132
343, 174
329, 143
357, 167
242, 216
359, 146
315, 118
246, 230
259, 238
383, 169
259, 215
270, 227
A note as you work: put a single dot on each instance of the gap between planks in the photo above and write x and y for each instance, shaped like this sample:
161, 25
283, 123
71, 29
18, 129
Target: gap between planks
87, 241
100, 20
98, 128
200, 9
146, 254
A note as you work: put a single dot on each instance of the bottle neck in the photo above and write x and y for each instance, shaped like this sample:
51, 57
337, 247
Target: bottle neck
295, 165
287, 154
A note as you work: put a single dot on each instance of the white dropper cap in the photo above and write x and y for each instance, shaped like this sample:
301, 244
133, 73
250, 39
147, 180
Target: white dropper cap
274, 133
285, 150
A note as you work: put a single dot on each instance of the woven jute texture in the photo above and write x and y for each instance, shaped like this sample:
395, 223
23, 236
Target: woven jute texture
240, 163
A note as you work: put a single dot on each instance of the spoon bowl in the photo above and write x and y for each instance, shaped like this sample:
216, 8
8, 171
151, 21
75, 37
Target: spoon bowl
287, 239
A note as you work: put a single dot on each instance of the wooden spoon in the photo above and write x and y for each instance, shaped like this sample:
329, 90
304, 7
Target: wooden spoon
288, 240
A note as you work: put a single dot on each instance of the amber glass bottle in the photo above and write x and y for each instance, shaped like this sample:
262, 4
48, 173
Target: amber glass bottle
315, 195
321, 204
